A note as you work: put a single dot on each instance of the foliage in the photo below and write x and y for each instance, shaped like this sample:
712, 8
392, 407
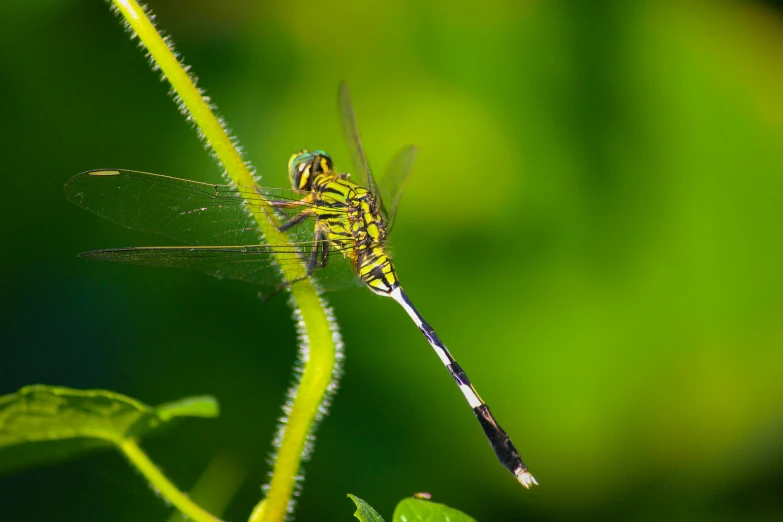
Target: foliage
411, 510
41, 424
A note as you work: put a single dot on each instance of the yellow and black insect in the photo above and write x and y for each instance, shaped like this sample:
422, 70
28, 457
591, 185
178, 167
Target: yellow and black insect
338, 230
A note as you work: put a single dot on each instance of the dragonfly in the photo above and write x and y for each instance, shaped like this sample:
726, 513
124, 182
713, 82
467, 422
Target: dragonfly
337, 232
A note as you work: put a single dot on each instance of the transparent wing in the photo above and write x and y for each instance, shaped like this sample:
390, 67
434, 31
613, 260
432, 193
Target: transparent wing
184, 210
394, 180
204, 214
252, 263
362, 168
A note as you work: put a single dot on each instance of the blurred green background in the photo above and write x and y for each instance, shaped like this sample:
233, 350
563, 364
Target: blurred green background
593, 227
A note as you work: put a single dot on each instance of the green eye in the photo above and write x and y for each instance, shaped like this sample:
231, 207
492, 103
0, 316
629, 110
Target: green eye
299, 168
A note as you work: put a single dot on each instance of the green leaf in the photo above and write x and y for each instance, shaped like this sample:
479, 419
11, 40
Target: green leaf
42, 424
202, 406
416, 510
364, 512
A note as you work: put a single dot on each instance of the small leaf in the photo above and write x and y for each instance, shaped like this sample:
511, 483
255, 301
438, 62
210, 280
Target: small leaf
365, 512
204, 406
41, 424
416, 510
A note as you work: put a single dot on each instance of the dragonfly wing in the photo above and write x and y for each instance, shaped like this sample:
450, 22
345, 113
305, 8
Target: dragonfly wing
251, 263
184, 210
351, 130
393, 182
247, 263
206, 214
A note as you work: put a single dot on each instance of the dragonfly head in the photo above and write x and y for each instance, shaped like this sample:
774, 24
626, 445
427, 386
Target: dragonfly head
305, 166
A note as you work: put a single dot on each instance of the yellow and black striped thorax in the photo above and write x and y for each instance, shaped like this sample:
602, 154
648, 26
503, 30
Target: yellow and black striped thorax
348, 217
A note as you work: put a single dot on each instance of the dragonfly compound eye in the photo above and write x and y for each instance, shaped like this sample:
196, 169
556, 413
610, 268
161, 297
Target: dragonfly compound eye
322, 162
300, 168
304, 166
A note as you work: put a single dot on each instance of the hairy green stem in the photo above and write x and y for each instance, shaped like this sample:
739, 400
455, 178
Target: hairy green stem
320, 349
161, 484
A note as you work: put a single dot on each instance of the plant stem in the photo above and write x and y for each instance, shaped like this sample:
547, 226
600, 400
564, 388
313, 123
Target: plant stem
161, 484
320, 347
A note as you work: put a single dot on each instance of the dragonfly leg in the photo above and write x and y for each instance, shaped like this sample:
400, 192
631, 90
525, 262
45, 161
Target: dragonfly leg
295, 220
288, 223
320, 249
324, 250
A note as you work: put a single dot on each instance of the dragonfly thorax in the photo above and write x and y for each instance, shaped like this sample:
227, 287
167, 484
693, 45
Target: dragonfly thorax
359, 226
367, 225
357, 219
